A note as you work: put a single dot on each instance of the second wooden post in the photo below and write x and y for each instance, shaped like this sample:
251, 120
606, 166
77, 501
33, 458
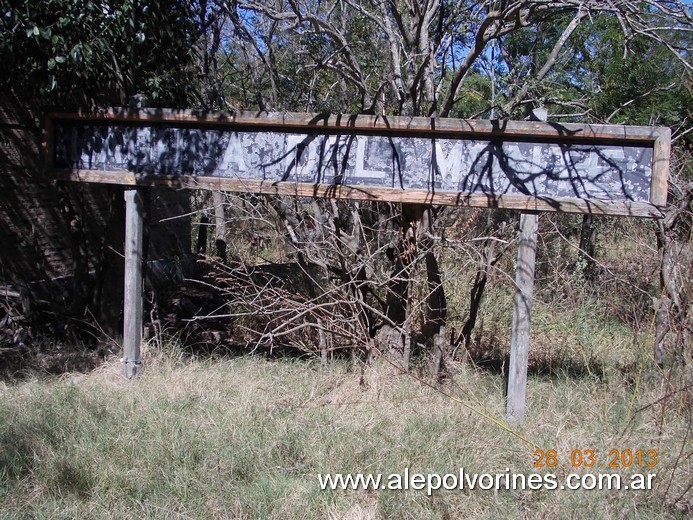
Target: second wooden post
132, 298
522, 309
522, 317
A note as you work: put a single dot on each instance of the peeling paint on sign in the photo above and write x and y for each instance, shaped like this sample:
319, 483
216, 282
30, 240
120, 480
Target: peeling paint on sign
608, 172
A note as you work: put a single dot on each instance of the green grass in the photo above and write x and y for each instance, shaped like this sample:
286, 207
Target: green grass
246, 438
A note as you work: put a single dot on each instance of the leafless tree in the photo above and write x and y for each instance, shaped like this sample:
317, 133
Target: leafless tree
410, 58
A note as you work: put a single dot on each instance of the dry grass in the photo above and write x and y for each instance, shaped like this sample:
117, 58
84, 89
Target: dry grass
246, 438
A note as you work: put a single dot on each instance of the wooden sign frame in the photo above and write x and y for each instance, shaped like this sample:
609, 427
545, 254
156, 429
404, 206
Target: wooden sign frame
493, 131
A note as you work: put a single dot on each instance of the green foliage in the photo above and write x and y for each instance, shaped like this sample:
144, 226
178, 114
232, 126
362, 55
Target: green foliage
646, 86
475, 96
599, 75
97, 52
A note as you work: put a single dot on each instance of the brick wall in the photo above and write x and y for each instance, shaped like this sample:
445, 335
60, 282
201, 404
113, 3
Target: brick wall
45, 226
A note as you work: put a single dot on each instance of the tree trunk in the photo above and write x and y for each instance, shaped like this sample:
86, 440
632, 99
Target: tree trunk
219, 225
201, 246
672, 308
588, 243
395, 337
434, 329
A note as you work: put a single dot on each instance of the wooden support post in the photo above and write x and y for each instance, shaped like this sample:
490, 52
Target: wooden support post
522, 316
132, 312
522, 311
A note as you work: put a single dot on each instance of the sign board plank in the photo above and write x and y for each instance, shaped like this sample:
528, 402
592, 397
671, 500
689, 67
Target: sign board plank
522, 165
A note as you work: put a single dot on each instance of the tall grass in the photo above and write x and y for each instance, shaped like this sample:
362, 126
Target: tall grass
246, 438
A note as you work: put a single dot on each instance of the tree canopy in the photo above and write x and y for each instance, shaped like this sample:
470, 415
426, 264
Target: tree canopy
588, 60
100, 52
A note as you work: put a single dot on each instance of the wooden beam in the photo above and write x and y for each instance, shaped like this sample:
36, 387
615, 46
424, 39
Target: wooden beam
364, 123
132, 312
517, 202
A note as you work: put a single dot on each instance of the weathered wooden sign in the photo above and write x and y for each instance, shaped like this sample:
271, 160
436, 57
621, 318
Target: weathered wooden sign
523, 165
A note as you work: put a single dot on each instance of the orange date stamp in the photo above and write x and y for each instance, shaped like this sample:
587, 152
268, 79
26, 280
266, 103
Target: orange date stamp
590, 458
